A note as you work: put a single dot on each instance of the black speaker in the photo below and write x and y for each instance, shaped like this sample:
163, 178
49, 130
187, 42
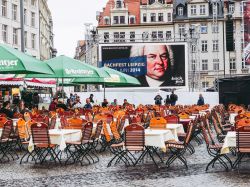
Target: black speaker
229, 35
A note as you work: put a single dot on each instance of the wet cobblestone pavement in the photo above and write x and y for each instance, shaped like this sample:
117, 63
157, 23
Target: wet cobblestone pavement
29, 174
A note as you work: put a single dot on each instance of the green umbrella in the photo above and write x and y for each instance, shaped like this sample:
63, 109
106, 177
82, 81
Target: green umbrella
13, 61
66, 67
115, 78
67, 82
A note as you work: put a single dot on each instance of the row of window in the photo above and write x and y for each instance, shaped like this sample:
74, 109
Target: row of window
4, 13
154, 36
216, 64
202, 9
5, 31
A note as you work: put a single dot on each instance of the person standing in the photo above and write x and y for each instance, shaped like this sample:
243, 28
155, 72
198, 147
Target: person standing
167, 100
91, 98
200, 100
173, 98
158, 99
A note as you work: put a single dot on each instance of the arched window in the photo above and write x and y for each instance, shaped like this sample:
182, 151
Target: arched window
161, 1
151, 1
119, 4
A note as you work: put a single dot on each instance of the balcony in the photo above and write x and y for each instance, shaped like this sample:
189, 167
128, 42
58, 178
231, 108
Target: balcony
245, 71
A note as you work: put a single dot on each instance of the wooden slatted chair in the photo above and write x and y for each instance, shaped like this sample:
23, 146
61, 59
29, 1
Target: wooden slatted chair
242, 144
42, 145
178, 148
174, 119
214, 150
3, 121
6, 143
75, 123
158, 123
82, 148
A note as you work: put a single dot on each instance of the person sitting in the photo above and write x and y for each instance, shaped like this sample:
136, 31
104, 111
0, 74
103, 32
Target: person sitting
114, 103
53, 104
69, 103
77, 103
88, 104
125, 103
6, 109
105, 103
60, 104
21, 108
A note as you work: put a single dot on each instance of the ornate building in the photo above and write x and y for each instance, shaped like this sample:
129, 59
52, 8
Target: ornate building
199, 23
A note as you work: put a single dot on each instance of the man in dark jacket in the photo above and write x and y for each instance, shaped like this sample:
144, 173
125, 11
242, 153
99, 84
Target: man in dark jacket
6, 109
173, 98
158, 99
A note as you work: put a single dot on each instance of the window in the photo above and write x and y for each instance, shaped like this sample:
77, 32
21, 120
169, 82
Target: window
145, 36
132, 20
122, 19
144, 17
160, 17
15, 36
106, 21
122, 36
4, 8
204, 65
154, 35
116, 19
193, 9
153, 17
205, 84
25, 39
203, 28
161, 1
116, 37
14, 12
243, 64
216, 65
5, 33
181, 29
231, 8
33, 2
25, 16
215, 28
33, 18
232, 64
168, 35
118, 4
169, 17
180, 11
215, 45
193, 48
106, 37
215, 10
202, 9
193, 65
160, 35
204, 45
151, 2
132, 36
33, 41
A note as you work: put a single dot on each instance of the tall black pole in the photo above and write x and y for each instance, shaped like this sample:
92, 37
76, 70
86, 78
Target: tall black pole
22, 25
224, 51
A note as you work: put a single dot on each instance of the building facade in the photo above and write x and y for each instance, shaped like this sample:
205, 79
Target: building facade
199, 23
47, 50
34, 20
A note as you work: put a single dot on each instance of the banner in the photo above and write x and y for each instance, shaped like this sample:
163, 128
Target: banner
153, 64
246, 20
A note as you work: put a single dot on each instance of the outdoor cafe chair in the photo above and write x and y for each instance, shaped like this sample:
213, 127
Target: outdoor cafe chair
6, 143
75, 123
242, 144
178, 148
172, 119
214, 150
3, 121
158, 123
42, 145
79, 150
96, 136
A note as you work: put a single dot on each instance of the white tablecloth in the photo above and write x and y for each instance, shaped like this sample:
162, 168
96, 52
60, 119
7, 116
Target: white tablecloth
60, 137
229, 141
157, 138
175, 128
232, 117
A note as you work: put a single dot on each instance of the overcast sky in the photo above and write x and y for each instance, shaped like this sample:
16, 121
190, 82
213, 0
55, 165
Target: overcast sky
69, 18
